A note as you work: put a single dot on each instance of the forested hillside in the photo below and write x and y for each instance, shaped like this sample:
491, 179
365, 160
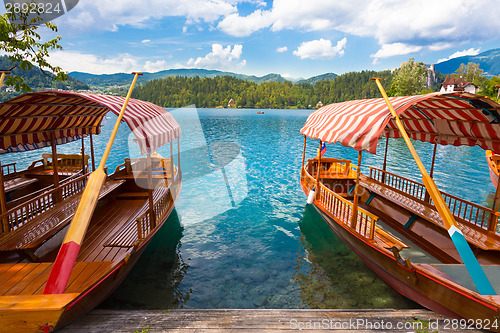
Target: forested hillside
37, 80
212, 92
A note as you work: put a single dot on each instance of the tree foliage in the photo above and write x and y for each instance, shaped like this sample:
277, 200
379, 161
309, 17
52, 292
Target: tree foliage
212, 92
20, 40
38, 81
409, 79
470, 72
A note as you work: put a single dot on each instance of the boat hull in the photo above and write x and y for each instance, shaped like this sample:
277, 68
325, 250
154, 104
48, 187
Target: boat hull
108, 284
492, 167
421, 286
44, 313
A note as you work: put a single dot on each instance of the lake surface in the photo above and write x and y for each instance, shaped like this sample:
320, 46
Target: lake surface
242, 236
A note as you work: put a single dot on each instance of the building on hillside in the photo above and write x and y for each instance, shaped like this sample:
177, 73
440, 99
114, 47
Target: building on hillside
319, 104
431, 77
457, 84
231, 103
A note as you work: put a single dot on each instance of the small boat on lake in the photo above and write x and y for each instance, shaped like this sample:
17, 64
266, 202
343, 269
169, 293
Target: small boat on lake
260, 112
69, 237
493, 165
432, 247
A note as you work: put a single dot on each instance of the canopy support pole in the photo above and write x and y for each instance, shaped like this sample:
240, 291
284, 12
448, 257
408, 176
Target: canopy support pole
178, 156
83, 157
475, 270
427, 198
318, 170
3, 203
92, 152
172, 173
354, 216
384, 166
304, 154
152, 216
70, 248
3, 199
55, 172
492, 223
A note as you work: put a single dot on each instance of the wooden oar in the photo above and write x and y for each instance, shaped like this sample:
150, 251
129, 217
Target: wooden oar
475, 270
66, 258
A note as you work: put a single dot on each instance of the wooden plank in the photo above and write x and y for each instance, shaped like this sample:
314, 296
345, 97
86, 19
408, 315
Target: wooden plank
11, 271
31, 302
106, 222
78, 270
261, 320
37, 283
83, 276
5, 267
17, 277
19, 288
82, 284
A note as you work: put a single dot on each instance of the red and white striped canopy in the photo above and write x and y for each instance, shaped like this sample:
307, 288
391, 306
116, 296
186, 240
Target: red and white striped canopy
446, 118
31, 121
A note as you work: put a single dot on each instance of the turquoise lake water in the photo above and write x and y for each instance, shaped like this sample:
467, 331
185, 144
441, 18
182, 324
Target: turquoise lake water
242, 236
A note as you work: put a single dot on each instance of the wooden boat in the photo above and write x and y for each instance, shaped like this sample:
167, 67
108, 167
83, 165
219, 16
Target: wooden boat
54, 264
434, 248
260, 112
493, 165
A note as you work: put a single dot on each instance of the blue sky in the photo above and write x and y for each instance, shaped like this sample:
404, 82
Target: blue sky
295, 38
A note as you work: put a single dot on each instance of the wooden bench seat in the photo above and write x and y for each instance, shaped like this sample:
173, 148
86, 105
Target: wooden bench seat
33, 233
66, 163
475, 235
128, 234
387, 240
17, 183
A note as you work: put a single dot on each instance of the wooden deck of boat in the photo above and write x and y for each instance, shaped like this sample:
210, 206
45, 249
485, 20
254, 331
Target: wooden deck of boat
109, 219
94, 258
30, 278
260, 320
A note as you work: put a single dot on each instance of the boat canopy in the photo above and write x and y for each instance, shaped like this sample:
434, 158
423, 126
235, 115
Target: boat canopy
32, 120
453, 118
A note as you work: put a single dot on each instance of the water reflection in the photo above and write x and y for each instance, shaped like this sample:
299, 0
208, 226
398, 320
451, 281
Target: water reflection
331, 276
154, 281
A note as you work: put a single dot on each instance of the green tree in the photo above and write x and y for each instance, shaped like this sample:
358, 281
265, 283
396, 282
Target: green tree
25, 49
409, 79
470, 72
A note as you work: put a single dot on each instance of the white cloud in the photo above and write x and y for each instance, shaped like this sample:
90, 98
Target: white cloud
435, 24
145, 41
320, 49
457, 54
90, 63
109, 15
222, 58
282, 49
241, 26
395, 49
156, 66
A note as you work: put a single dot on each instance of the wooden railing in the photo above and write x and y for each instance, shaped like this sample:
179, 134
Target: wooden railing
6, 168
307, 179
161, 206
21, 214
406, 185
341, 209
466, 211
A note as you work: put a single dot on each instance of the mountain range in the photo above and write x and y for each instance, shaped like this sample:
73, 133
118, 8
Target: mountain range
121, 79
489, 62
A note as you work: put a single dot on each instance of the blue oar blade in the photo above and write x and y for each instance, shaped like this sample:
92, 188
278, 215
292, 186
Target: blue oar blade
475, 270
